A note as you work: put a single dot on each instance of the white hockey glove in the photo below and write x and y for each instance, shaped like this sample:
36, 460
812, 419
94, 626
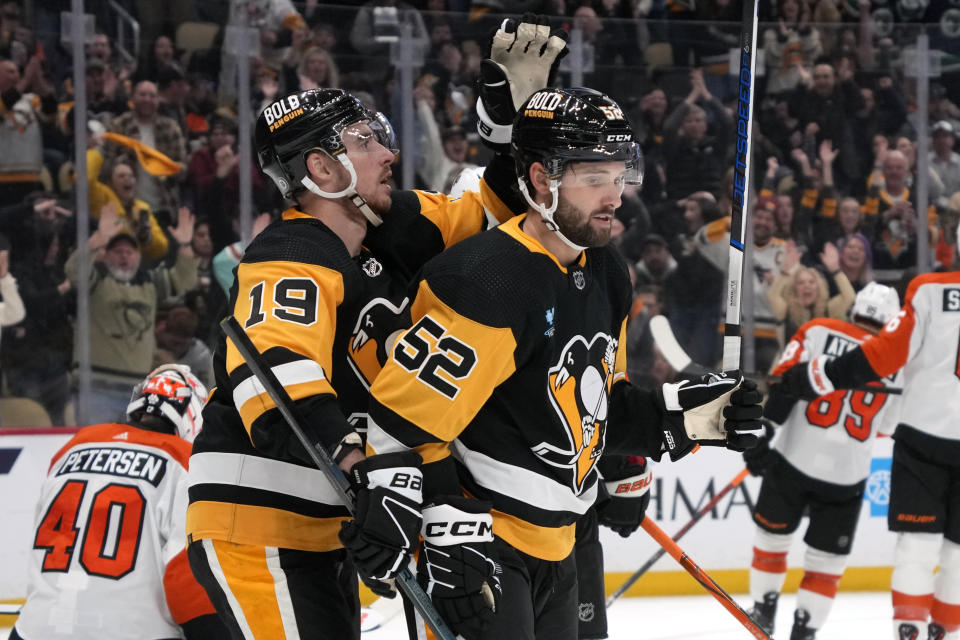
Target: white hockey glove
714, 409
523, 58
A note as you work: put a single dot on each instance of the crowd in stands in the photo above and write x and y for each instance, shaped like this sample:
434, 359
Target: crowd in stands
835, 156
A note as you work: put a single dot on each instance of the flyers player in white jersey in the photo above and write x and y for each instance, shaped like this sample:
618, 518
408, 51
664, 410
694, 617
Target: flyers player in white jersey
819, 461
109, 552
924, 340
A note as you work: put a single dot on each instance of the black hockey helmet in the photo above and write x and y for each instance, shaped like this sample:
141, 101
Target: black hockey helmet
314, 120
557, 127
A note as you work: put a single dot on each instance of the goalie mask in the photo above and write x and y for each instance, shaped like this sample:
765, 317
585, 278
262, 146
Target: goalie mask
174, 394
876, 304
317, 120
557, 127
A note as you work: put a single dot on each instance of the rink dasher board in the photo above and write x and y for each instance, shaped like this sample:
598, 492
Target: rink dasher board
722, 541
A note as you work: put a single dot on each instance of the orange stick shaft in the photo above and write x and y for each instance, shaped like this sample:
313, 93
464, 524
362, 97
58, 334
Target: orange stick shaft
702, 577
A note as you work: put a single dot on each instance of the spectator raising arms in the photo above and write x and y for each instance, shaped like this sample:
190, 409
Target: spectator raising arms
695, 160
123, 305
121, 192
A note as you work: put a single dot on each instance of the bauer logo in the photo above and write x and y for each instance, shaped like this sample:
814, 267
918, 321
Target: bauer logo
878, 487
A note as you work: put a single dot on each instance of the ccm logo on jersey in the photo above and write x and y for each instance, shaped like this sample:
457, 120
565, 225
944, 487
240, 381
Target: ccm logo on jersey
951, 299
618, 137
542, 105
461, 529
282, 111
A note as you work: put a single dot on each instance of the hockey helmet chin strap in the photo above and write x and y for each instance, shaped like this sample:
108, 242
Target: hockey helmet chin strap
546, 213
349, 192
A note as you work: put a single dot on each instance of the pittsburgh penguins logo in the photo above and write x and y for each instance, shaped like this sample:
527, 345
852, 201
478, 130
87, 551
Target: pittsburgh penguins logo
579, 387
378, 323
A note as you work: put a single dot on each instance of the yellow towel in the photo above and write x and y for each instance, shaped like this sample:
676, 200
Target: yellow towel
153, 161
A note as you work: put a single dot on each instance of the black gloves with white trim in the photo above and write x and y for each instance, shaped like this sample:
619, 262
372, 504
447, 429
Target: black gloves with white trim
458, 565
627, 480
386, 525
523, 58
714, 409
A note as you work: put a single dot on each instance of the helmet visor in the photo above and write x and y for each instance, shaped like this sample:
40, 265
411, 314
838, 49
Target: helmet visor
620, 164
359, 136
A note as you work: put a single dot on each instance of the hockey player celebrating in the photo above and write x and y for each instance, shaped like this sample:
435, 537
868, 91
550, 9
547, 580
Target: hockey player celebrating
109, 558
264, 524
510, 383
922, 340
819, 462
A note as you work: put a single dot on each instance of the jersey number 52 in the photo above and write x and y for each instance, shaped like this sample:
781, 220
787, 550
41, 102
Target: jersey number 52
438, 358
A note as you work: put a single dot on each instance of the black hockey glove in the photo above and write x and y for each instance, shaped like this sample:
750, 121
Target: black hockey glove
627, 479
523, 58
808, 380
458, 566
386, 523
714, 409
761, 457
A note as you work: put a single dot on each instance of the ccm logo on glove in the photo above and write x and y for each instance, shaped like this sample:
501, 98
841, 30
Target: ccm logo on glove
463, 528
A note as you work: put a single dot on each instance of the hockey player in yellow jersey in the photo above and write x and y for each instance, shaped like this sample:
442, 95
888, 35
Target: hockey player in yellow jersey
263, 523
510, 383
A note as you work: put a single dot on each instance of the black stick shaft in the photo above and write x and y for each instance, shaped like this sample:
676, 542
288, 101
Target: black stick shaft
405, 580
741, 185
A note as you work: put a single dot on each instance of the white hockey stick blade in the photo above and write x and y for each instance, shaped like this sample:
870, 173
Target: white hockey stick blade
667, 343
379, 613
671, 349
10, 609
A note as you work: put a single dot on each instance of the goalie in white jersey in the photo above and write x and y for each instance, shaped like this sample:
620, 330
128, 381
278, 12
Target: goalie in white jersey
819, 461
109, 552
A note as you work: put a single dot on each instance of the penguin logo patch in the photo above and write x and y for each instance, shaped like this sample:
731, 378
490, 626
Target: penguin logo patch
367, 348
578, 387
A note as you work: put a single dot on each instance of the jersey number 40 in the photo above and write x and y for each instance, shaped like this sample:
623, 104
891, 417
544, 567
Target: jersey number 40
111, 530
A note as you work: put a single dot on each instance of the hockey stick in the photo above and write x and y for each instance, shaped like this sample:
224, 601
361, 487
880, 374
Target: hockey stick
683, 364
703, 578
676, 537
405, 580
741, 186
